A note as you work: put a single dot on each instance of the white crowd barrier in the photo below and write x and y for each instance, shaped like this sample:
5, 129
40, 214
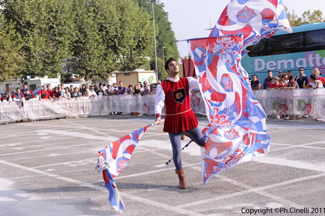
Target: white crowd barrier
293, 102
284, 102
83, 107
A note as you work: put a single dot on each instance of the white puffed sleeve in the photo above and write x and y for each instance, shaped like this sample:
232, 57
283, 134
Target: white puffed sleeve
193, 83
160, 99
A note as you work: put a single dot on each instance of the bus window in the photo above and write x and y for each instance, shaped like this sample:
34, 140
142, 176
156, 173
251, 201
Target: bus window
315, 40
282, 44
258, 49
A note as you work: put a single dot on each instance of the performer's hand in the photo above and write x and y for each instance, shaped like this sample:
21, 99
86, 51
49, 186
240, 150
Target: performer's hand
158, 120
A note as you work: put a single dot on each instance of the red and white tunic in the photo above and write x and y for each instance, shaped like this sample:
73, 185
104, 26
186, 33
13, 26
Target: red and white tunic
175, 96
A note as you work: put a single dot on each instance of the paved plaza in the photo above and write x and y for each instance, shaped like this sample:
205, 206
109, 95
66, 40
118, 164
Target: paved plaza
48, 168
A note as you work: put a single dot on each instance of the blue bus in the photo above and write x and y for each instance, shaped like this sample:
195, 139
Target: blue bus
305, 47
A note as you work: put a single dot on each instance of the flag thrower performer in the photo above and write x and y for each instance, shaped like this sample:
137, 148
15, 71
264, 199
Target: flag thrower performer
174, 94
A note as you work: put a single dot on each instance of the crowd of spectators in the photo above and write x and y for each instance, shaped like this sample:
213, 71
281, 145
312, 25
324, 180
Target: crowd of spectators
59, 92
288, 81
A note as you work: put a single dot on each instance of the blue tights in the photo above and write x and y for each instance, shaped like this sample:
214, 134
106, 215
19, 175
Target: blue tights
175, 139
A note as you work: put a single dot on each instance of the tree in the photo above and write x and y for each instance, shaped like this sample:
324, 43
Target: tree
165, 36
115, 37
307, 17
10, 58
46, 30
89, 58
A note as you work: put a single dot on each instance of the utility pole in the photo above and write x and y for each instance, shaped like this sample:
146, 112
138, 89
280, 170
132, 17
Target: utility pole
154, 34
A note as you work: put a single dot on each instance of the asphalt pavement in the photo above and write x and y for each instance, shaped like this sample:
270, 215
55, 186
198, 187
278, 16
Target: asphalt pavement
48, 168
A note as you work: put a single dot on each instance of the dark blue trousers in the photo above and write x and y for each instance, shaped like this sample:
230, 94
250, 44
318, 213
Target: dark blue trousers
175, 139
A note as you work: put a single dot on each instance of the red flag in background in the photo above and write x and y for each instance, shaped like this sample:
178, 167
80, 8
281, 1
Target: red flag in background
188, 67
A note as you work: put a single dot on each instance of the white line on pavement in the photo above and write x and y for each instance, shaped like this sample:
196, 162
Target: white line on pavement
102, 189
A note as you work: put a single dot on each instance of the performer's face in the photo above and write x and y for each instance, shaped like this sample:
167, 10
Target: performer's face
173, 67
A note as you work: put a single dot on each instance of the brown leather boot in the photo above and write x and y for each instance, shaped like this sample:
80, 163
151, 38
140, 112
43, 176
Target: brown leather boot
182, 180
183, 136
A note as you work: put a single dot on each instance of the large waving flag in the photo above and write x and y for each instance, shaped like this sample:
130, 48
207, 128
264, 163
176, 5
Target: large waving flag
237, 131
113, 159
255, 19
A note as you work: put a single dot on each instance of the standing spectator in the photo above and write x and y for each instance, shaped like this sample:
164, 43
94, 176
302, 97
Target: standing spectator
146, 90
29, 95
49, 89
302, 78
141, 86
66, 93
268, 80
314, 83
145, 83
286, 79
71, 89
100, 92
18, 96
292, 83
92, 92
108, 90
84, 91
104, 87
75, 93
95, 88
130, 91
137, 89
121, 89
56, 94
318, 76
289, 73
256, 84
280, 74
44, 94
25, 89
282, 83
61, 90
159, 82
7, 98
275, 84
114, 89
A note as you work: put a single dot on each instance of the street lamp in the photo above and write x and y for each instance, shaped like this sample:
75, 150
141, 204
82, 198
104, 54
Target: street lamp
154, 33
164, 54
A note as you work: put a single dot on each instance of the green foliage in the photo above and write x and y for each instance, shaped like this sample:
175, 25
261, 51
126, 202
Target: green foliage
165, 36
46, 29
91, 38
10, 60
307, 17
162, 73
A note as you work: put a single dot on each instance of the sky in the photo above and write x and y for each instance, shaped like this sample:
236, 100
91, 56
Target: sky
190, 18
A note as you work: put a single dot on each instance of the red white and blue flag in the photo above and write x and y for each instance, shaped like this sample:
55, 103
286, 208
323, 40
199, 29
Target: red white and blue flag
237, 131
113, 159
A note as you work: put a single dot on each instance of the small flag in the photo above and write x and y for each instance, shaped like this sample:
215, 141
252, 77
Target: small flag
113, 159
